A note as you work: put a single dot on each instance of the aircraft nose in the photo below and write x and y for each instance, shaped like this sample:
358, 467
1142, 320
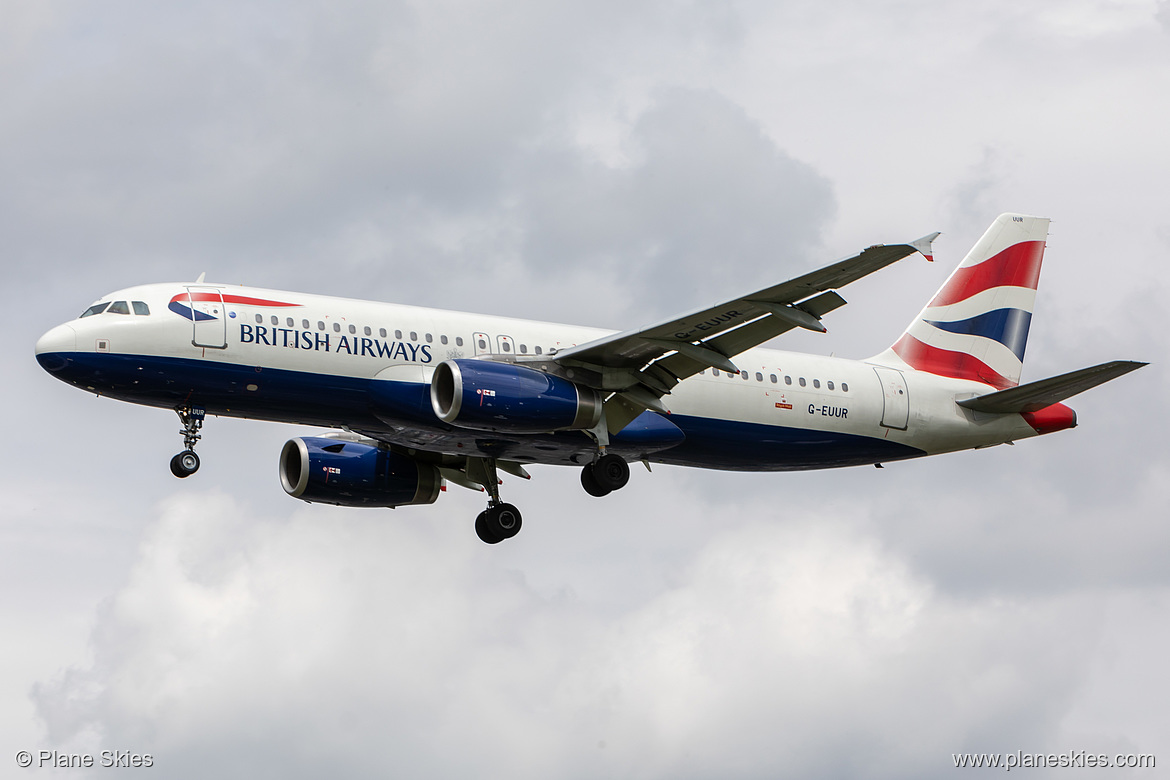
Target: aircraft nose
52, 346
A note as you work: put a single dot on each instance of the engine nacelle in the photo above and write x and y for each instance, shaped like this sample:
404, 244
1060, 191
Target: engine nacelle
487, 396
346, 473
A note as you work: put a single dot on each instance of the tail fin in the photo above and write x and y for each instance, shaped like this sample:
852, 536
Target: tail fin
976, 326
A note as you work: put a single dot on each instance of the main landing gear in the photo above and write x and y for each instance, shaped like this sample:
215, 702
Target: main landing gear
605, 475
499, 521
186, 462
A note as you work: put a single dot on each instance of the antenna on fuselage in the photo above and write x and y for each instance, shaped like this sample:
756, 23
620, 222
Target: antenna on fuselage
202, 276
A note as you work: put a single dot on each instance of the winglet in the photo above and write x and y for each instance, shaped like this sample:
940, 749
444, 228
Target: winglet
923, 245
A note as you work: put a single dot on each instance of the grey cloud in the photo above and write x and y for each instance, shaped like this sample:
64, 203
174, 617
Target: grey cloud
707, 191
241, 642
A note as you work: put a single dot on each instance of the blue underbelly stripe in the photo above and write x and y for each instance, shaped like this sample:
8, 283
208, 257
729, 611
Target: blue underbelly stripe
390, 408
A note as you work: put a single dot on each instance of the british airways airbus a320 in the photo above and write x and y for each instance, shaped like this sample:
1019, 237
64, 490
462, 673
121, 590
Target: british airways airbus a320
420, 397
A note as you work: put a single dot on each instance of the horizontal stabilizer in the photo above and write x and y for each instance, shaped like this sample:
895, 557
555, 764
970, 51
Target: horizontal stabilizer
1035, 396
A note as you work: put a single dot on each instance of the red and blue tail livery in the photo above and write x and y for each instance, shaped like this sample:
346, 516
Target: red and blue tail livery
415, 399
976, 326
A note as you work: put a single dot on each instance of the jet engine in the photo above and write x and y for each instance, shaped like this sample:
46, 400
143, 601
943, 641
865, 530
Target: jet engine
487, 396
347, 473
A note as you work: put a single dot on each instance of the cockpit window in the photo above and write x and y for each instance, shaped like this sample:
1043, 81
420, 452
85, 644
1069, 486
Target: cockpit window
140, 307
118, 307
97, 308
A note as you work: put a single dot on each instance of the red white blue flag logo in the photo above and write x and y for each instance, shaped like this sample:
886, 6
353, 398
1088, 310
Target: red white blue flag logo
182, 304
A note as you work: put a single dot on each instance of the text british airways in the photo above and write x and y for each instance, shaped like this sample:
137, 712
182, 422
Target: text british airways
291, 338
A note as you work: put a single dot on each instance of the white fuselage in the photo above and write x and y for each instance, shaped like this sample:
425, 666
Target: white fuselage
311, 359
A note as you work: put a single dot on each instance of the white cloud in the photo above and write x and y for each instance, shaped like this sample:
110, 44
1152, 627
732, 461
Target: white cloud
797, 644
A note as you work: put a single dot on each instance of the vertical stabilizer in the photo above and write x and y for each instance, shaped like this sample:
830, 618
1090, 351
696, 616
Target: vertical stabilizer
976, 326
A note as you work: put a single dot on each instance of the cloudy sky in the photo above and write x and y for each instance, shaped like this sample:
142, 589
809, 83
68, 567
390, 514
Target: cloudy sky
605, 164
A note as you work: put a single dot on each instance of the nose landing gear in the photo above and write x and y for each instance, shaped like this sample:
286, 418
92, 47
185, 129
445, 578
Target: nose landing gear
186, 462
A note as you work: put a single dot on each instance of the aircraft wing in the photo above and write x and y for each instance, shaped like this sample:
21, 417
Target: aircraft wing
643, 365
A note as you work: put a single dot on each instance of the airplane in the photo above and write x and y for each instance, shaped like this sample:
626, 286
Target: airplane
416, 398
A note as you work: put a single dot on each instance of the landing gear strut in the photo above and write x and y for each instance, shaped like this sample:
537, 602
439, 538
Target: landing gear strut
605, 475
499, 521
186, 462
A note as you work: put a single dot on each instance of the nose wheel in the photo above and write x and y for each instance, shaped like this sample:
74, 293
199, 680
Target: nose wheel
186, 462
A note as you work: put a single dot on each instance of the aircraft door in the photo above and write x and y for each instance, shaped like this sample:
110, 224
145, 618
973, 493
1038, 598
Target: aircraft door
895, 398
209, 317
505, 345
483, 344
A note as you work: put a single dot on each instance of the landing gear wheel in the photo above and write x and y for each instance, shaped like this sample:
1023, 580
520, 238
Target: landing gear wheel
589, 482
611, 472
184, 464
484, 530
507, 519
497, 523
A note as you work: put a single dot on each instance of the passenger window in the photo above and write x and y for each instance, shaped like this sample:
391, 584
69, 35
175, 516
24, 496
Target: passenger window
744, 374
337, 327
844, 388
459, 342
118, 307
759, 377
367, 331
259, 319
703, 372
429, 339
802, 382
538, 350
275, 320
320, 325
817, 383
772, 377
523, 349
288, 322
305, 324
97, 308
787, 380
507, 346
140, 308
382, 332
442, 339
353, 329
482, 344
413, 336
714, 372
398, 335
829, 384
